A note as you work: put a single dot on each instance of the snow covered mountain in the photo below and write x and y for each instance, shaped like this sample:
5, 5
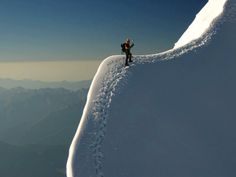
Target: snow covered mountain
170, 114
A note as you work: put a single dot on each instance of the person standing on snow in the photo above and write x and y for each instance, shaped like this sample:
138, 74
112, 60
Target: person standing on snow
126, 47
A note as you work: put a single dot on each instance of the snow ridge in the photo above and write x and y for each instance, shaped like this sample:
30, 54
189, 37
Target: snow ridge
104, 87
202, 22
114, 74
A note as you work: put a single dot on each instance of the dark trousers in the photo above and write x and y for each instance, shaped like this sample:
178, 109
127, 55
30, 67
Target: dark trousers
128, 57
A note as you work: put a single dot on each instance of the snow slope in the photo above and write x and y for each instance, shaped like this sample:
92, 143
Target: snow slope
202, 22
162, 117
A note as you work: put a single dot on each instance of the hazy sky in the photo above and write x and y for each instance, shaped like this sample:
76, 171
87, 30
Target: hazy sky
82, 29
49, 70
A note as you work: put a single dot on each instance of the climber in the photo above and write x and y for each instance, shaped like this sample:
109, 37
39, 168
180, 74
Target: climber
126, 47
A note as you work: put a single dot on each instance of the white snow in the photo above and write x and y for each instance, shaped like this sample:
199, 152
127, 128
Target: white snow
101, 90
94, 119
202, 22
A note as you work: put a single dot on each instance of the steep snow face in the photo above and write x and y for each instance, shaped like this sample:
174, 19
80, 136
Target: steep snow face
202, 22
128, 149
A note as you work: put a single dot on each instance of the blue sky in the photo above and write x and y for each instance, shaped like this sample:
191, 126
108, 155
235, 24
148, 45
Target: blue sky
90, 30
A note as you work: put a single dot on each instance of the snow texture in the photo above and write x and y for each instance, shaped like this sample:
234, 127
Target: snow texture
202, 22
111, 106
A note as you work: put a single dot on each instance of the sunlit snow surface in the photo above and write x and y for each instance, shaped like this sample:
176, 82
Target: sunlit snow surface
113, 135
202, 22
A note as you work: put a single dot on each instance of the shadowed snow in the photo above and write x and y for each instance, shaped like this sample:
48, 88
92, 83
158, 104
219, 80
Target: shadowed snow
85, 155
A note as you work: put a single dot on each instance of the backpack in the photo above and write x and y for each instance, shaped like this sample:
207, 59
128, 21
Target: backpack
123, 47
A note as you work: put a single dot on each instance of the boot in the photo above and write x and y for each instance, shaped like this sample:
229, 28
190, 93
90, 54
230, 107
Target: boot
130, 58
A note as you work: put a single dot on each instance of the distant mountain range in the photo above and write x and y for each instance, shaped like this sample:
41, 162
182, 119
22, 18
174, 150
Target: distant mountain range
31, 84
32, 161
36, 129
30, 116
